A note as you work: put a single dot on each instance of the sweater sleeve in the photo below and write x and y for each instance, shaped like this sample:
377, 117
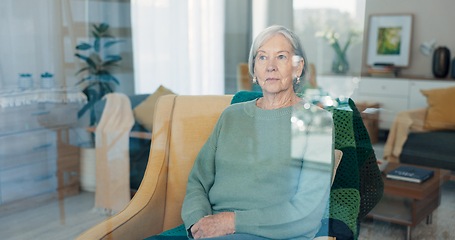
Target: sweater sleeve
196, 202
301, 215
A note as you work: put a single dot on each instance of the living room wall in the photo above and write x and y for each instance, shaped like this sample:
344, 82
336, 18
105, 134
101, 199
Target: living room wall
431, 20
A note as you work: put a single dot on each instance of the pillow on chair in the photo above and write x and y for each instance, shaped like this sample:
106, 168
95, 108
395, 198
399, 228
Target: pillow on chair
143, 113
440, 113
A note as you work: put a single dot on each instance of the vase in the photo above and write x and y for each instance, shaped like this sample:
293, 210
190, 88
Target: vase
340, 65
453, 69
441, 62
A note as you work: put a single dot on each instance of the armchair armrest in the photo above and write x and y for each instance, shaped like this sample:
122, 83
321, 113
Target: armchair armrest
144, 213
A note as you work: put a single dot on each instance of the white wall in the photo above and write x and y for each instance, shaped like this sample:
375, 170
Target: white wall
432, 20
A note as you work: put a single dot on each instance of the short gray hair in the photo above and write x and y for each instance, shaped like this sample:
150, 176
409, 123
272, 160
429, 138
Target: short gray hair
269, 32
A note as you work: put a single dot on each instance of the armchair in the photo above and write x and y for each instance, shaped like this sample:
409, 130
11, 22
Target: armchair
182, 125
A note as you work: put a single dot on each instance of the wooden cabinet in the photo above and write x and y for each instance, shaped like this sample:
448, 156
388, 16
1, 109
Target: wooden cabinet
68, 164
28, 164
393, 94
36, 157
396, 95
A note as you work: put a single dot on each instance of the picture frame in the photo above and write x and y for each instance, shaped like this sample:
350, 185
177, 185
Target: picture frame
389, 40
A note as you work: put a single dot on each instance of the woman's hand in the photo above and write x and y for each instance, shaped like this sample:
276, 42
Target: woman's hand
325, 238
214, 225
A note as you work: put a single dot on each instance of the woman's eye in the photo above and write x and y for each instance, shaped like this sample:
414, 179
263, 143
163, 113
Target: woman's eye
282, 57
262, 58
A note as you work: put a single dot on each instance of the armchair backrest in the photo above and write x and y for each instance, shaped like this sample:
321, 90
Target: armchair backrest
182, 125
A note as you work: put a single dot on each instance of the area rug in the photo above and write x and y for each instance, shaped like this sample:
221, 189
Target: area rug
441, 228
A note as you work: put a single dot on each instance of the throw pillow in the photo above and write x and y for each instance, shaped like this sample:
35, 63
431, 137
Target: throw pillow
143, 113
440, 111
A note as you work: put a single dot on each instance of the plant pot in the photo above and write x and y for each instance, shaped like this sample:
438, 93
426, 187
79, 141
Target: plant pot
88, 169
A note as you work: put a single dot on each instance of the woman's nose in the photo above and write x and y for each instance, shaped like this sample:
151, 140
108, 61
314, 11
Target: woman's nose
271, 65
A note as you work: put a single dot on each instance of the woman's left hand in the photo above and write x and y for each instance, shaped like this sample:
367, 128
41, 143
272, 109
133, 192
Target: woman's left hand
214, 225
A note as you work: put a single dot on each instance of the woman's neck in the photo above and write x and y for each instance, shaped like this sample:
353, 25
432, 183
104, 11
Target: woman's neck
274, 101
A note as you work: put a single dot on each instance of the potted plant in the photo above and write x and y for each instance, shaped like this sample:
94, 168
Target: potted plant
97, 79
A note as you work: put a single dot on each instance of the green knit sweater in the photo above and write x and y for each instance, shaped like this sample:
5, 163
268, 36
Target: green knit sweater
246, 167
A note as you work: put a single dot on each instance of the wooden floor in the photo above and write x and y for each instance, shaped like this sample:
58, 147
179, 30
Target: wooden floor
49, 222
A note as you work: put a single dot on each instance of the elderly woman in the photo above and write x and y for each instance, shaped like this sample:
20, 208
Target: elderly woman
244, 183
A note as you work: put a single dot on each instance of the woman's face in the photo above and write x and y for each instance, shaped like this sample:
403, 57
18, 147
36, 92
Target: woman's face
273, 66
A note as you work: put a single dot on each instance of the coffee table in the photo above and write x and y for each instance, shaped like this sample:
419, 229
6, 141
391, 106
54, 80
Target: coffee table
407, 203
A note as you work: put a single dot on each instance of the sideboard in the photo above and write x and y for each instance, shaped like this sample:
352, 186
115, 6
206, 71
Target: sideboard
37, 158
393, 94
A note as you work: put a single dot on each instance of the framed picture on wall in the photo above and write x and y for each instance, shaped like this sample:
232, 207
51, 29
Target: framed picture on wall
389, 40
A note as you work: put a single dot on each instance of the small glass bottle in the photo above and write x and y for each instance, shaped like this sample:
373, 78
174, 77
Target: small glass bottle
25, 81
47, 80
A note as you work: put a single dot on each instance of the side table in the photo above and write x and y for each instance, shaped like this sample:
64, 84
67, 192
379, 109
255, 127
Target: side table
407, 203
370, 116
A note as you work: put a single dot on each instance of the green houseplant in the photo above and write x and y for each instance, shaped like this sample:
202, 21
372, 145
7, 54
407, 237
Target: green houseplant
97, 78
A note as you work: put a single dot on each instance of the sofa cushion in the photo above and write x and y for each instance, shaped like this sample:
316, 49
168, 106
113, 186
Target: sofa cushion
143, 113
440, 113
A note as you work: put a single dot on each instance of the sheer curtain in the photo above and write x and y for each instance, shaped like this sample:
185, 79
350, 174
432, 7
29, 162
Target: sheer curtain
29, 40
178, 44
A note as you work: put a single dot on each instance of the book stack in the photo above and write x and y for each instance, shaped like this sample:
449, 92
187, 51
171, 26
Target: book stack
383, 70
410, 174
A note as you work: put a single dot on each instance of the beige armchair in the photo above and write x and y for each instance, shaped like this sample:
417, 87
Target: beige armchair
182, 124
180, 129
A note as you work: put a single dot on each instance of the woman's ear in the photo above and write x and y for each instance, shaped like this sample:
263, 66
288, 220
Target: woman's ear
299, 68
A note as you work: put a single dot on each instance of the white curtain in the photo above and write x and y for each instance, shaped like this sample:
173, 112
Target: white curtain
29, 40
179, 44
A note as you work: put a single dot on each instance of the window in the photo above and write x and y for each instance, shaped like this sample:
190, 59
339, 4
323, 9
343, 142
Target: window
315, 17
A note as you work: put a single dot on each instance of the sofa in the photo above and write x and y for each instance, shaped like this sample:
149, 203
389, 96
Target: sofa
425, 136
143, 106
431, 149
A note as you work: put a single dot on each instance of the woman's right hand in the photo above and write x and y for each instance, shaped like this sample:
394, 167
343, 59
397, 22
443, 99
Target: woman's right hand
214, 225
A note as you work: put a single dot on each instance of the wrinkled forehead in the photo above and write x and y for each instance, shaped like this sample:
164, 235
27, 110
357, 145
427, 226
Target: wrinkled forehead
275, 43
